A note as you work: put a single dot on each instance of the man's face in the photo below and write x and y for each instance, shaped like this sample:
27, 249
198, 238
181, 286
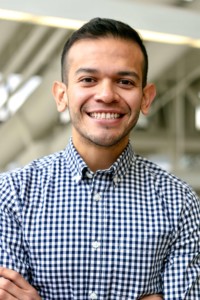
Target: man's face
104, 91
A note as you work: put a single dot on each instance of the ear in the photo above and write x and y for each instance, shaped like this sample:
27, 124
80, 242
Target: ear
149, 93
59, 91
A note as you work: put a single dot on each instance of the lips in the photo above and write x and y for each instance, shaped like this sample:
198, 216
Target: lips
105, 116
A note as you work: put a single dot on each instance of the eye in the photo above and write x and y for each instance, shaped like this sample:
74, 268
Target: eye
87, 80
126, 82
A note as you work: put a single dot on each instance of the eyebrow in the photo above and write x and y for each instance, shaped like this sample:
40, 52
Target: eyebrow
120, 73
129, 73
86, 70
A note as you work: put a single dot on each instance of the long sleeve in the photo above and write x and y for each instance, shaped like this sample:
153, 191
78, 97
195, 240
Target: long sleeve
12, 251
181, 278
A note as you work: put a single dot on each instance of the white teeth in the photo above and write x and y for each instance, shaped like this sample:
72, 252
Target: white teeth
105, 115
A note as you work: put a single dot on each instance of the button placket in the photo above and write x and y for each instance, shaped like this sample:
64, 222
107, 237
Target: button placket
99, 184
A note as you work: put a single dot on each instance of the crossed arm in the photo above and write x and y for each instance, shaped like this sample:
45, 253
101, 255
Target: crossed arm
13, 286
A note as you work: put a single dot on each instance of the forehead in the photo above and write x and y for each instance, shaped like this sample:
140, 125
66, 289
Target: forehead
114, 50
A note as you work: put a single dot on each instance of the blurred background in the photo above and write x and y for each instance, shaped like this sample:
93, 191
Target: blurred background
31, 39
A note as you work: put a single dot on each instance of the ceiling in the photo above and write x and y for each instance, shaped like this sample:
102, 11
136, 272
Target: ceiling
31, 45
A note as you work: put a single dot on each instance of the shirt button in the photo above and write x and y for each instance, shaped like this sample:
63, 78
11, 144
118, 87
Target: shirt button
89, 175
116, 179
95, 245
97, 197
77, 178
93, 296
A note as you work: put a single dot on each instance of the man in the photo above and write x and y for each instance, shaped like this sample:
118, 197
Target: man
97, 221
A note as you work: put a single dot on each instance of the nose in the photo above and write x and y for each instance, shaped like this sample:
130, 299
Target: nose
106, 92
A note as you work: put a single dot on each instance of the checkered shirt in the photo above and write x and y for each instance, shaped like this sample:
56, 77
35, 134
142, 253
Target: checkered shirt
116, 234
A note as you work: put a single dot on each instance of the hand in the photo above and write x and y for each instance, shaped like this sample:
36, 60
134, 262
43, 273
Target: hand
13, 286
152, 297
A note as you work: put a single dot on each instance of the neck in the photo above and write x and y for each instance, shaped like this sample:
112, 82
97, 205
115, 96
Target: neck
99, 157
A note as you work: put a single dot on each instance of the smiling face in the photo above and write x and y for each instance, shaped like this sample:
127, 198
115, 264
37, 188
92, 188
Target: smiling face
104, 92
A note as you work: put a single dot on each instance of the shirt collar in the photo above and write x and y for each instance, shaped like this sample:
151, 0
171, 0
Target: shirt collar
78, 167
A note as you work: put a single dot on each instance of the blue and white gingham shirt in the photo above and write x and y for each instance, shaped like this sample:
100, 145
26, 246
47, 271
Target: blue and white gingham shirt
116, 234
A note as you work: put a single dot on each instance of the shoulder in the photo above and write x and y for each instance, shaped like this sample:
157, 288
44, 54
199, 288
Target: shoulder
167, 183
24, 183
31, 174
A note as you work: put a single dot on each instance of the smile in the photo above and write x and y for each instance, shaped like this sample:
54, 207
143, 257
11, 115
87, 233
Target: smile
106, 116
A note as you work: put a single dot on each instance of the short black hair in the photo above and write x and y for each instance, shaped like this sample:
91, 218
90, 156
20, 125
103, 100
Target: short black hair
103, 27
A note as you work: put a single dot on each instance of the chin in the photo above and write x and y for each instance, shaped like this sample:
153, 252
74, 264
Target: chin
107, 141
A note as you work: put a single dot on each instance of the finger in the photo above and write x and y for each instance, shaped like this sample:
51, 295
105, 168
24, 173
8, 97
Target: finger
8, 290
14, 276
16, 286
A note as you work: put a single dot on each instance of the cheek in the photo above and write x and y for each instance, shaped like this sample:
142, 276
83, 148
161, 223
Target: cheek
81, 102
134, 103
77, 96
